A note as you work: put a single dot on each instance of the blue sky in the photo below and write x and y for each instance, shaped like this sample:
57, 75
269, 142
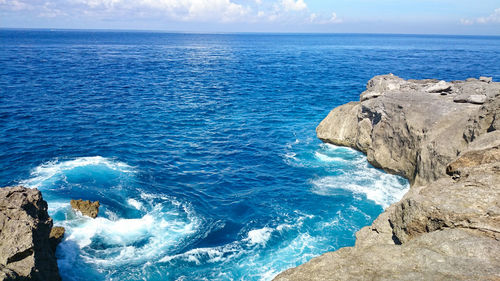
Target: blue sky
358, 16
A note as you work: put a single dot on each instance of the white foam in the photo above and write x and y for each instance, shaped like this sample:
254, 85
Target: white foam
335, 148
210, 255
259, 236
134, 203
381, 188
56, 206
256, 265
52, 169
357, 176
130, 241
326, 158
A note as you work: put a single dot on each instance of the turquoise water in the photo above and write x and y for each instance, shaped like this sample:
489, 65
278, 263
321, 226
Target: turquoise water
201, 148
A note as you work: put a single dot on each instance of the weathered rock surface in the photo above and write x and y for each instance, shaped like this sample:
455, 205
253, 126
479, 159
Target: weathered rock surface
56, 236
87, 208
406, 130
451, 254
25, 248
447, 227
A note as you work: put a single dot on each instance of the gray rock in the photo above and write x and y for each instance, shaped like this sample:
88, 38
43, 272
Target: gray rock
407, 132
25, 249
446, 227
476, 99
441, 86
451, 254
486, 79
469, 203
463, 98
381, 84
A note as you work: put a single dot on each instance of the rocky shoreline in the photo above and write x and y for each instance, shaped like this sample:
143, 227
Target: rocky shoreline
444, 138
27, 238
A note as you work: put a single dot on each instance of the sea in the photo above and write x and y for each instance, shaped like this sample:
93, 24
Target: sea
201, 148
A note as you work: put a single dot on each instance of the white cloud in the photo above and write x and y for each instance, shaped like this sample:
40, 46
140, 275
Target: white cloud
335, 19
15, 5
49, 10
466, 21
291, 5
312, 17
321, 19
183, 10
491, 19
207, 11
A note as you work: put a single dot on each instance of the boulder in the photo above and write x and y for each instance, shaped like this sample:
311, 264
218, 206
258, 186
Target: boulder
486, 79
441, 86
87, 207
25, 248
380, 85
476, 99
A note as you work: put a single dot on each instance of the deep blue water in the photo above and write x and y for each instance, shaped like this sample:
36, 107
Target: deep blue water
201, 148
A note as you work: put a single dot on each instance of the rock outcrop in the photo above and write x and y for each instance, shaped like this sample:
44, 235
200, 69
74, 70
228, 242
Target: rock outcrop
87, 207
444, 137
25, 248
56, 236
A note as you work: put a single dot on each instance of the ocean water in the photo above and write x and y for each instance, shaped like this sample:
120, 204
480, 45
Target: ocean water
201, 148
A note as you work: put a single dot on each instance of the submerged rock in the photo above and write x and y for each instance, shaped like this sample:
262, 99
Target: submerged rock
87, 207
25, 248
447, 227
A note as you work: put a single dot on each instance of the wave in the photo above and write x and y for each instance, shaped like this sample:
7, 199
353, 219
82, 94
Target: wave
347, 170
133, 228
359, 177
258, 253
80, 169
129, 240
259, 236
326, 158
155, 236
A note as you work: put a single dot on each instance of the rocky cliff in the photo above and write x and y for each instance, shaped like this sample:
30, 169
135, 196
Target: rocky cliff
26, 246
444, 137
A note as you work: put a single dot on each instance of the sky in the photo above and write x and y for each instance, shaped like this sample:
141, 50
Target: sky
480, 17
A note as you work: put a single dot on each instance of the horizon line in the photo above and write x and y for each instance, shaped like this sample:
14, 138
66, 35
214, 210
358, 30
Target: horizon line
235, 32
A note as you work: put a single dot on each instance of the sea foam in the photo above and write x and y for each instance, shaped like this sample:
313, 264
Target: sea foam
347, 171
158, 225
359, 177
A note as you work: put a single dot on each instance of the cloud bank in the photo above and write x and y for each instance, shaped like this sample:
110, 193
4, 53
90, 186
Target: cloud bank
219, 11
493, 18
